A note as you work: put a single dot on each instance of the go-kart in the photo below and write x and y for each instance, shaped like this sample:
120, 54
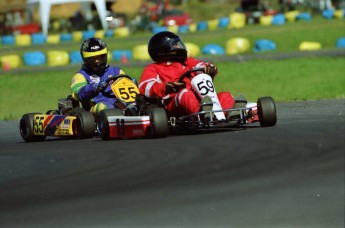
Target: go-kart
137, 116
133, 116
69, 120
262, 111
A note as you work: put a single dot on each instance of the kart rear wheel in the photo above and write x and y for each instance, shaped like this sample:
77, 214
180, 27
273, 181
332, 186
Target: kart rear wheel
102, 121
151, 106
267, 112
85, 124
159, 123
26, 128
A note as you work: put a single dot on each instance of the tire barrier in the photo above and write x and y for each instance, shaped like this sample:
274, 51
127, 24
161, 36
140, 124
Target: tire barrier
23, 39
233, 46
53, 39
157, 29
109, 33
77, 36
122, 55
183, 29
122, 32
8, 40
99, 34
202, 26
309, 46
65, 37
38, 38
10, 62
223, 22
34, 58
237, 45
193, 27
339, 14
75, 57
266, 20
264, 45
140, 53
213, 49
173, 28
278, 19
57, 58
237, 20
291, 15
340, 43
303, 17
88, 34
212, 24
328, 14
192, 49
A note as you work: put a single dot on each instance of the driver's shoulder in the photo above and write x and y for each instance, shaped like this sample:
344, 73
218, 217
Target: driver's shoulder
113, 70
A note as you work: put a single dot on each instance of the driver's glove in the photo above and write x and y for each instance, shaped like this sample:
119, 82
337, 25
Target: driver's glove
101, 86
174, 87
210, 69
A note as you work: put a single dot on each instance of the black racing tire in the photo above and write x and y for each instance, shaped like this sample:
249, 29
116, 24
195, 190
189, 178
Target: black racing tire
26, 128
267, 111
159, 127
102, 121
151, 106
85, 124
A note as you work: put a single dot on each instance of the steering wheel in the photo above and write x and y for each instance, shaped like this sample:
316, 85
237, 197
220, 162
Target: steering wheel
115, 77
188, 73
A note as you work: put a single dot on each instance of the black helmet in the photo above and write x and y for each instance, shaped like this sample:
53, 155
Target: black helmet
167, 46
95, 54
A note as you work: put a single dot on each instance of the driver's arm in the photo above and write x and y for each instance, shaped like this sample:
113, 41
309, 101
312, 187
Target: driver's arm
81, 89
151, 85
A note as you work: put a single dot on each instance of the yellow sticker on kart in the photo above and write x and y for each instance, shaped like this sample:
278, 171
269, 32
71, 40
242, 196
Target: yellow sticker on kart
53, 125
125, 89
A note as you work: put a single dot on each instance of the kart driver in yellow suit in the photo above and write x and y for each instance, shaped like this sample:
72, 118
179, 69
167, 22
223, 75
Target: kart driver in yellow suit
89, 83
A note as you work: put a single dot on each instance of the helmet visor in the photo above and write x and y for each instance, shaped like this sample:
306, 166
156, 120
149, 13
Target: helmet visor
177, 44
97, 62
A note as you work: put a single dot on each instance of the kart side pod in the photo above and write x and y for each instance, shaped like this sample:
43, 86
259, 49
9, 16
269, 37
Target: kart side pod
36, 126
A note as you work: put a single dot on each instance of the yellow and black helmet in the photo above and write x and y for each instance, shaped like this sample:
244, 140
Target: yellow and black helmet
95, 54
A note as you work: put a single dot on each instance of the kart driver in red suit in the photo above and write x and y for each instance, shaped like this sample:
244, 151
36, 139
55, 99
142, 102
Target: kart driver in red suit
161, 78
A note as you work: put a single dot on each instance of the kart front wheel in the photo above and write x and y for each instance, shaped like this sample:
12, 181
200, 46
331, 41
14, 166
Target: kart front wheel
267, 112
103, 123
26, 128
159, 122
85, 124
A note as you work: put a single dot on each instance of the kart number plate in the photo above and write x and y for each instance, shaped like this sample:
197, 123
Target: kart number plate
125, 89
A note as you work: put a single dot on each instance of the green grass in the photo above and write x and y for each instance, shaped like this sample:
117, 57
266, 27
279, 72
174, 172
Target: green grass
284, 80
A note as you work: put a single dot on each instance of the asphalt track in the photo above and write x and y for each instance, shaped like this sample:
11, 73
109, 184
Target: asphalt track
290, 175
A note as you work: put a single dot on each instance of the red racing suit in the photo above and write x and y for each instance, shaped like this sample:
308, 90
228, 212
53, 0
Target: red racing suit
186, 101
